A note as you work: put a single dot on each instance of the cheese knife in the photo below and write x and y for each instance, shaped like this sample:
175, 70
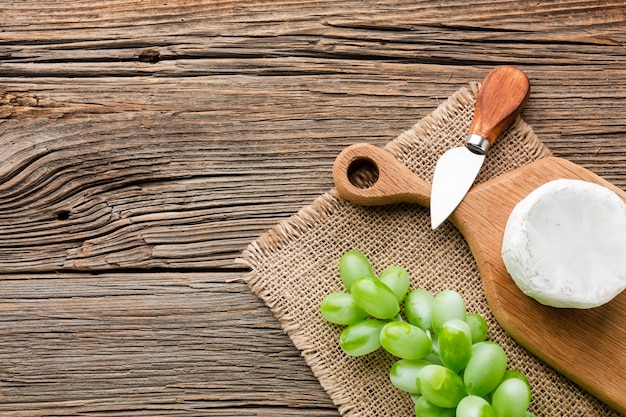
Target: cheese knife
501, 98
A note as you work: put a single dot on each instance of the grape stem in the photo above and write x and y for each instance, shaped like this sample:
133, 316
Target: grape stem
434, 341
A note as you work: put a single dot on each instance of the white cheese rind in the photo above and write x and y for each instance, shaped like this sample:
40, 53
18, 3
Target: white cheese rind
565, 244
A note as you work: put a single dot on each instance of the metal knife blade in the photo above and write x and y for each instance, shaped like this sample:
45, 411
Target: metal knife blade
454, 175
501, 98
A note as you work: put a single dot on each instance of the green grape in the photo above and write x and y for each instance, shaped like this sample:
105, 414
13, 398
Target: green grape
511, 398
512, 373
405, 340
340, 308
418, 307
485, 368
478, 327
352, 266
441, 386
361, 338
455, 344
447, 305
424, 408
445, 363
375, 298
397, 279
404, 372
473, 406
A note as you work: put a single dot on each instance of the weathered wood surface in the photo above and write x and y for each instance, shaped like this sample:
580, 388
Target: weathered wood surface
144, 144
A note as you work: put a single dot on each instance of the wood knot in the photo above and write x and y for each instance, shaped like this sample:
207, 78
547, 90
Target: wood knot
151, 56
63, 215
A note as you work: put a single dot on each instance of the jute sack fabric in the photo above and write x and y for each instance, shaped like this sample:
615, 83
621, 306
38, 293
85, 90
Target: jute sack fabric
295, 264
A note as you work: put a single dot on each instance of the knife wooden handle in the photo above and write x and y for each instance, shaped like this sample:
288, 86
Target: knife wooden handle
370, 176
501, 98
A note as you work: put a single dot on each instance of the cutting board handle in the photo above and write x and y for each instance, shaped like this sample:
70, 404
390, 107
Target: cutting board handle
370, 176
501, 98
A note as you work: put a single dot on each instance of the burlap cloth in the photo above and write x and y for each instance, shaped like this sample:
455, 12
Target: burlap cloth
295, 264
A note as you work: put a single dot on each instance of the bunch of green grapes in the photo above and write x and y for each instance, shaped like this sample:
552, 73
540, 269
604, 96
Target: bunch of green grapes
444, 360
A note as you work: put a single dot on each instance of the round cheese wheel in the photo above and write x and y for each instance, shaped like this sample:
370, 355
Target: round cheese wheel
565, 244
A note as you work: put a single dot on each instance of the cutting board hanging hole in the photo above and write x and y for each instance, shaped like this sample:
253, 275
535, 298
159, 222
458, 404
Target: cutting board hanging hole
363, 173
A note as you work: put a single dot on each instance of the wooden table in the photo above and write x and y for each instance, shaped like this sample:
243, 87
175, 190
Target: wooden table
144, 144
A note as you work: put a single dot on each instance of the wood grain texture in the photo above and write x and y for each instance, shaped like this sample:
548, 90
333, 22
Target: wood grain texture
146, 143
147, 344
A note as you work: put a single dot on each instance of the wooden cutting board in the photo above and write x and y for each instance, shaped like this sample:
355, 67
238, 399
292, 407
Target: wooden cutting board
587, 346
